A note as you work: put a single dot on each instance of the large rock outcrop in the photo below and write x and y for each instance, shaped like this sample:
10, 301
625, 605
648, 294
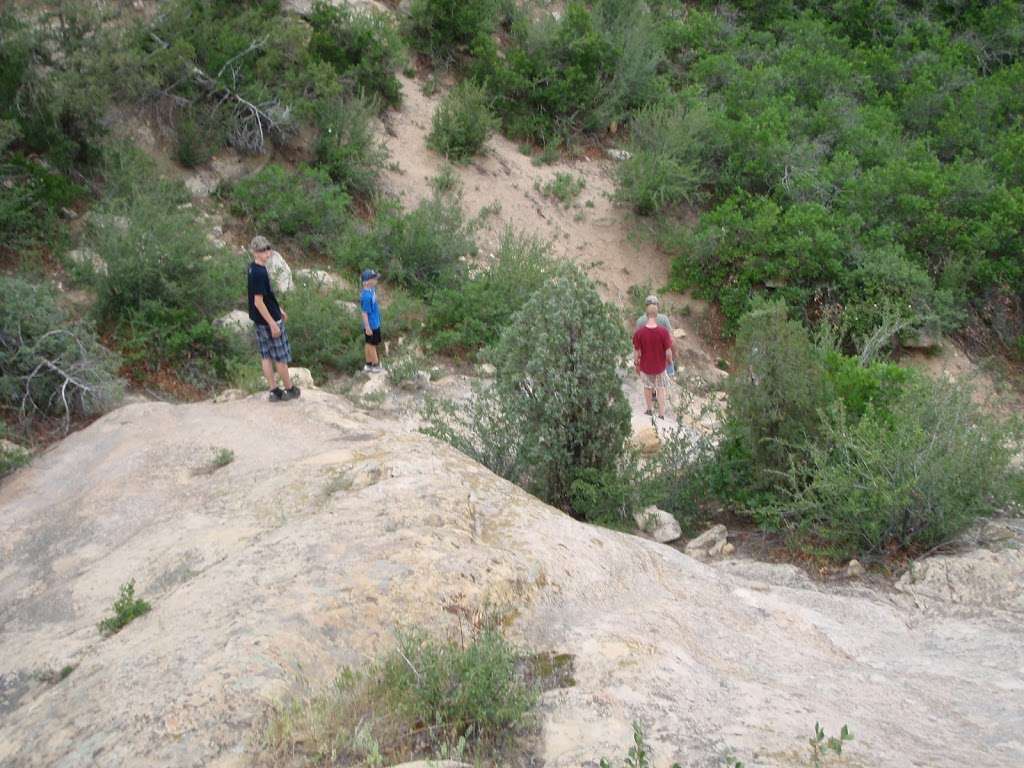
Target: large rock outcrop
331, 527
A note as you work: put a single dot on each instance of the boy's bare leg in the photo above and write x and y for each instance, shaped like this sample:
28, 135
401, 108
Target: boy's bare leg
371, 355
286, 378
268, 372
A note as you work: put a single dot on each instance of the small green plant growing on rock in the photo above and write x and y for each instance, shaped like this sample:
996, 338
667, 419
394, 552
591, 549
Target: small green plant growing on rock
822, 744
639, 755
127, 608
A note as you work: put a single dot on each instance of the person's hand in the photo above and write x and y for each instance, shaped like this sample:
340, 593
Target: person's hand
275, 330
284, 315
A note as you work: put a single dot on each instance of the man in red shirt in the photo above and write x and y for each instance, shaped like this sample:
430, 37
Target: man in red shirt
653, 352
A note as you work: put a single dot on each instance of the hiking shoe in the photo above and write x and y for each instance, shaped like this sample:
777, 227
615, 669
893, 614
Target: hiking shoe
376, 369
276, 395
648, 412
367, 368
292, 393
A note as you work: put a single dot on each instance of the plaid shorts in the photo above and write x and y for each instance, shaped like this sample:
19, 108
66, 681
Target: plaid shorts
654, 380
278, 350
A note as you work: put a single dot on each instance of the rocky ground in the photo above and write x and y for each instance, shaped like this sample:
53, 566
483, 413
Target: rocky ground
331, 527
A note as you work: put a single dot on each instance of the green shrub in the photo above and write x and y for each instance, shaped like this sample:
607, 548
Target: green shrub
197, 136
127, 608
465, 699
556, 407
11, 458
442, 28
667, 156
421, 250
52, 368
469, 316
363, 47
911, 477
347, 147
323, 337
303, 204
859, 386
163, 282
31, 198
775, 392
564, 188
462, 123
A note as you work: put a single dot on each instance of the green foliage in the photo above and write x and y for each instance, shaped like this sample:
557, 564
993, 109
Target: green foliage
31, 197
859, 386
127, 608
163, 282
303, 204
775, 392
52, 368
197, 136
564, 187
666, 163
443, 28
471, 315
821, 744
363, 47
11, 458
912, 476
585, 71
427, 698
347, 147
556, 407
639, 754
462, 123
421, 250
321, 334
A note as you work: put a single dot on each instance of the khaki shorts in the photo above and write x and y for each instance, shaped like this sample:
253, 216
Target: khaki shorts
654, 380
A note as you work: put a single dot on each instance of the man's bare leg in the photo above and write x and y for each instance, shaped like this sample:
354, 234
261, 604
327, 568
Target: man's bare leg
662, 397
648, 398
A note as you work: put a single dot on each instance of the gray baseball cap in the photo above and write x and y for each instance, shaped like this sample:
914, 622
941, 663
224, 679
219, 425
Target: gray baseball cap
259, 243
652, 299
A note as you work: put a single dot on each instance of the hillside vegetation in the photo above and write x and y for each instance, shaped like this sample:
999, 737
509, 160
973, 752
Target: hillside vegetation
839, 178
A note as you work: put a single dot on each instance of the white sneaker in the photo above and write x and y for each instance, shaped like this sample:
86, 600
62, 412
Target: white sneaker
376, 369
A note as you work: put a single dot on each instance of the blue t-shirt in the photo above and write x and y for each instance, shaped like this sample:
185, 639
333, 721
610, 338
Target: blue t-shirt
368, 301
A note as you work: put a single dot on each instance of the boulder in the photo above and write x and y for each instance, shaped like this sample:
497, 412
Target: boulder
646, 439
322, 279
854, 570
280, 273
236, 320
268, 577
302, 378
349, 306
658, 524
488, 371
679, 333
974, 582
711, 543
377, 384
618, 154
6, 446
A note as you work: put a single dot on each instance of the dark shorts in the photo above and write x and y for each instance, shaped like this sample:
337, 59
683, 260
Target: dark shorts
278, 350
372, 338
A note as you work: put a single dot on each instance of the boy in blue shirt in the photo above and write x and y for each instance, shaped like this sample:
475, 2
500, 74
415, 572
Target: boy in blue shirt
371, 320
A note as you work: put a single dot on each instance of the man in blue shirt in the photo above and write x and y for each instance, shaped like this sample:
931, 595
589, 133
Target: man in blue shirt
371, 320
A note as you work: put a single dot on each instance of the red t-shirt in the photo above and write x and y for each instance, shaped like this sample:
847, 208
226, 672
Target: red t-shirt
652, 343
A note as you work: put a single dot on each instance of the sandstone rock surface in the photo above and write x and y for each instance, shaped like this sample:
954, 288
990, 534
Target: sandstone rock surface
331, 527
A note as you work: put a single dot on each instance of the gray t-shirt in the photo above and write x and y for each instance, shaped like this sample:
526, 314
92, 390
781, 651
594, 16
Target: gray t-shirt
662, 321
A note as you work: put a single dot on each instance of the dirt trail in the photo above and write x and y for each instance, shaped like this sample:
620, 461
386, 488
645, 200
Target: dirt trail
593, 232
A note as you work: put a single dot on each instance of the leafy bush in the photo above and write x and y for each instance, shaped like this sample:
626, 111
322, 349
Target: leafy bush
11, 458
302, 204
666, 163
420, 250
472, 315
51, 367
163, 282
462, 123
31, 198
347, 147
197, 136
127, 608
556, 407
321, 335
471, 693
441, 28
775, 392
564, 188
362, 46
912, 477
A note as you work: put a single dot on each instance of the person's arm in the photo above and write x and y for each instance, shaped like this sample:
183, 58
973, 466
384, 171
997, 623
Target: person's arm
261, 307
636, 353
366, 324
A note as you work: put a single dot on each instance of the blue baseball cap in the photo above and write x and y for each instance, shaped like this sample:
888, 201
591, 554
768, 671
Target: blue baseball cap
369, 274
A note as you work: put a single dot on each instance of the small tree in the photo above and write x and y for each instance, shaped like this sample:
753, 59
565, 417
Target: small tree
462, 123
776, 391
556, 407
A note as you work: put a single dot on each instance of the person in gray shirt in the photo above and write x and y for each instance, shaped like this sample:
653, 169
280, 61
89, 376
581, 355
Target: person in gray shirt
663, 321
